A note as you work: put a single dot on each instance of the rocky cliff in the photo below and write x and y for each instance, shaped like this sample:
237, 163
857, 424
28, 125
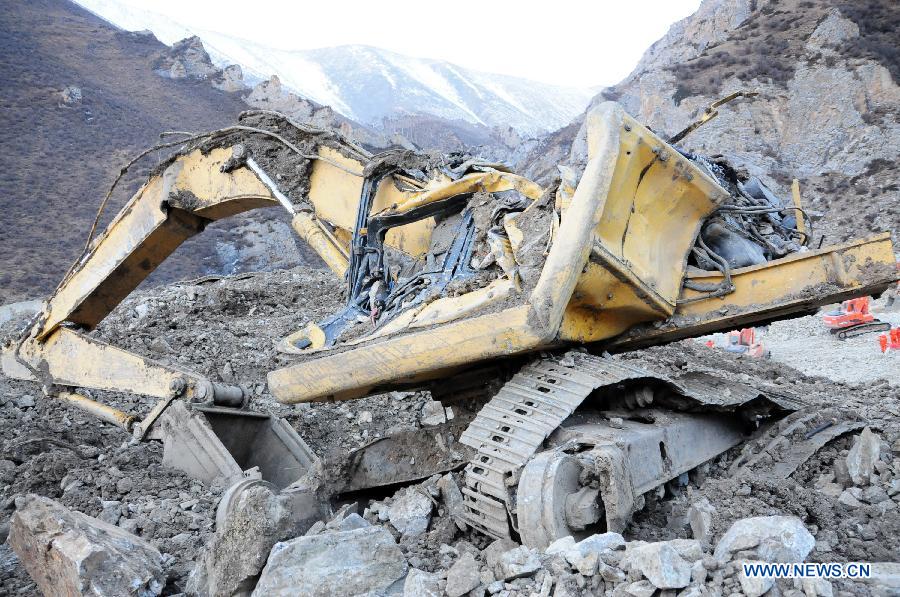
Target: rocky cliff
826, 113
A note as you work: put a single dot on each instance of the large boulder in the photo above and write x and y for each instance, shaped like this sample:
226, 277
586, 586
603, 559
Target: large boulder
423, 584
660, 563
754, 586
700, 516
232, 560
862, 457
585, 555
771, 538
410, 512
518, 562
364, 560
70, 553
463, 576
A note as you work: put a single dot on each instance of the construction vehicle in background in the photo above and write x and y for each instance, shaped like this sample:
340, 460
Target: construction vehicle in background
890, 341
854, 318
739, 342
500, 296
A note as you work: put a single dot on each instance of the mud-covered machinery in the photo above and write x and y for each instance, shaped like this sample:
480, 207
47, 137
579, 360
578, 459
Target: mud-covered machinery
477, 283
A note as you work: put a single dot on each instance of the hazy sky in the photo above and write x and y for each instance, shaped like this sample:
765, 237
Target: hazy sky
568, 42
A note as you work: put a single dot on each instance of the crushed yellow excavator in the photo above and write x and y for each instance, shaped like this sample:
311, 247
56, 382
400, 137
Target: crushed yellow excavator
475, 282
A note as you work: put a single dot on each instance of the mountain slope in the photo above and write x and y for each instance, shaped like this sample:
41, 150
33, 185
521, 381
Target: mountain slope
369, 84
827, 74
78, 99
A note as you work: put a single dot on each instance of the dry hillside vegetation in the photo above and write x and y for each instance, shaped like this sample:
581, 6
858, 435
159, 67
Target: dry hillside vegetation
58, 158
769, 46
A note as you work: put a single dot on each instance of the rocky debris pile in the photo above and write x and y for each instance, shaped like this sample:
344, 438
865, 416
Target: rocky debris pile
68, 553
866, 474
227, 329
378, 547
57, 452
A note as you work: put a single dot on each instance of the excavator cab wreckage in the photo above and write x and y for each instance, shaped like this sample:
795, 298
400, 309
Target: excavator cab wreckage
495, 293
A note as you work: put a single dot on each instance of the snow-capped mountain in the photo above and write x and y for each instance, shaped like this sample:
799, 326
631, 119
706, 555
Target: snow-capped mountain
369, 84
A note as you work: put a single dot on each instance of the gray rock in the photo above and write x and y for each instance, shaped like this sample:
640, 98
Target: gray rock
848, 499
186, 59
756, 585
568, 586
7, 471
410, 512
24, 401
601, 542
69, 553
831, 489
894, 487
463, 576
841, 474
610, 574
698, 573
433, 413
874, 494
518, 562
232, 560
71, 95
700, 517
885, 576
561, 546
352, 522
689, 549
772, 538
492, 552
862, 456
453, 499
660, 564
422, 584
160, 346
231, 79
585, 563
546, 582
340, 563
585, 555
641, 588
814, 587
111, 512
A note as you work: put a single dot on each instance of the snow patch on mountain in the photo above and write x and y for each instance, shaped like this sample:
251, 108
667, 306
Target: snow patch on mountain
370, 84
